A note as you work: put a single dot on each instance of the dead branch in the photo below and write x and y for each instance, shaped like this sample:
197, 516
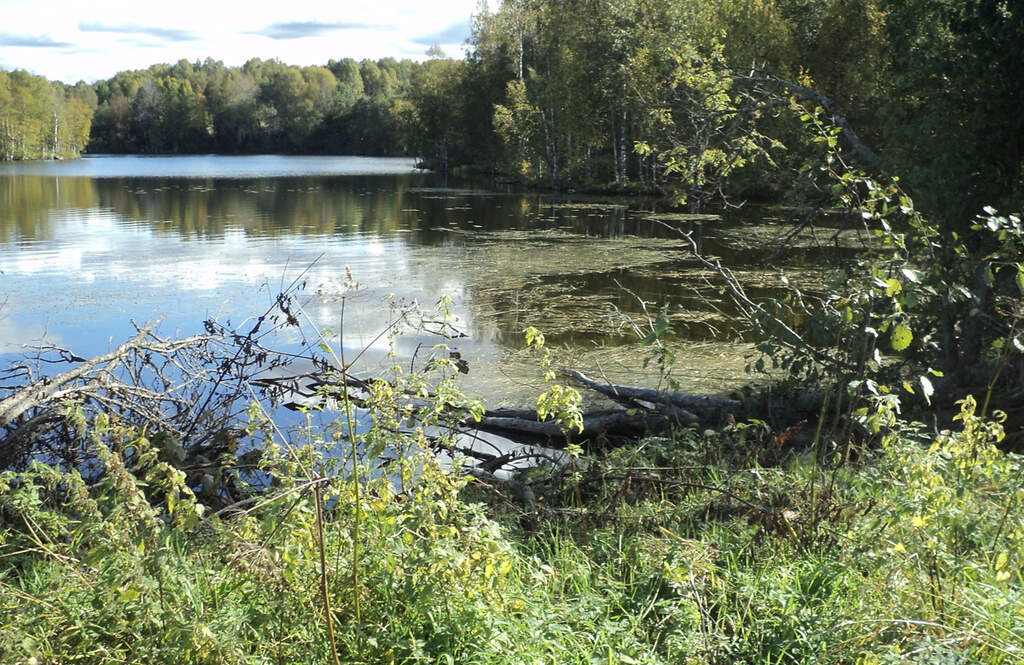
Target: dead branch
42, 392
689, 408
867, 155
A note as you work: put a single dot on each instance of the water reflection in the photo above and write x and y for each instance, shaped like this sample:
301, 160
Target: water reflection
219, 237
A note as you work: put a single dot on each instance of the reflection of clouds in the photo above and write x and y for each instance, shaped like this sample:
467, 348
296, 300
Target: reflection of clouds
14, 336
66, 259
100, 265
115, 266
213, 166
208, 274
86, 242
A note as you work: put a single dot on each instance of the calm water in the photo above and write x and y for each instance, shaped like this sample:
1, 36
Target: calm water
88, 246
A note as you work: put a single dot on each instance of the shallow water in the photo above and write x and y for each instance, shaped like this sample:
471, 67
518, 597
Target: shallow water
88, 246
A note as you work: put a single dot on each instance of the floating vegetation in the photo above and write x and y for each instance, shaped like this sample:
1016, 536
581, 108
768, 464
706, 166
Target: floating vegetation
445, 229
697, 276
450, 191
592, 206
513, 378
594, 298
681, 217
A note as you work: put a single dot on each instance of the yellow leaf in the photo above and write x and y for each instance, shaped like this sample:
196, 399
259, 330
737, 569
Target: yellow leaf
901, 337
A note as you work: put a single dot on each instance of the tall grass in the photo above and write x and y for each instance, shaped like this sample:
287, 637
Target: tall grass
914, 555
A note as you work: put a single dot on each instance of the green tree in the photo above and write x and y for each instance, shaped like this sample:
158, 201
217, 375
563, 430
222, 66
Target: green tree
437, 98
147, 117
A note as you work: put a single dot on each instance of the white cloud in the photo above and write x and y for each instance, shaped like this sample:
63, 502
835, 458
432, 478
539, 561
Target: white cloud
96, 40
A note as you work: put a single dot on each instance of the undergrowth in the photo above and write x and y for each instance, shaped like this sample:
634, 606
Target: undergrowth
683, 549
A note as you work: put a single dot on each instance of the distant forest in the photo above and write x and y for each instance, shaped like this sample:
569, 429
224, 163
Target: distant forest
347, 107
591, 93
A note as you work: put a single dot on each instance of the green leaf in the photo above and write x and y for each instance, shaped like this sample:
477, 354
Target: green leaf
901, 337
534, 337
127, 595
1020, 278
987, 277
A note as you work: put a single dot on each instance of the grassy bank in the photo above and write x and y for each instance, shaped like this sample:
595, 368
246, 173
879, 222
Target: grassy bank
725, 547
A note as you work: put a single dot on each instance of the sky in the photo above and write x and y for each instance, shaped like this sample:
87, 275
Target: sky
72, 40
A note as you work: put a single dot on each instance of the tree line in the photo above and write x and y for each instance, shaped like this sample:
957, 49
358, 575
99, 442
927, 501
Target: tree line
40, 119
346, 107
590, 93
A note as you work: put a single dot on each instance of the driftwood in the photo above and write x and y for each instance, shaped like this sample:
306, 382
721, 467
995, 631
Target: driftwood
645, 410
110, 381
42, 393
595, 424
186, 389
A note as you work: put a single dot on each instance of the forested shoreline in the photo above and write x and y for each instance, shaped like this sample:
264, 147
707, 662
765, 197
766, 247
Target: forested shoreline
587, 95
346, 107
40, 119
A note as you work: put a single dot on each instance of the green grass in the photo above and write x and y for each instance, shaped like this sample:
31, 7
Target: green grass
913, 554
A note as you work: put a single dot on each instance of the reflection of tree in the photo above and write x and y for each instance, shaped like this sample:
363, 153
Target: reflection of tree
26, 204
260, 207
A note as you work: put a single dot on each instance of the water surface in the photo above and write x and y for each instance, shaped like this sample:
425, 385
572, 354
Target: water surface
86, 247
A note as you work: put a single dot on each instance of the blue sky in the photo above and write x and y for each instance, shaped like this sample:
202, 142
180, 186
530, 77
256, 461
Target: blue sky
71, 40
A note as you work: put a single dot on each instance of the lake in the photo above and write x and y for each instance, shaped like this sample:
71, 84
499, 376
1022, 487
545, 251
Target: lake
90, 245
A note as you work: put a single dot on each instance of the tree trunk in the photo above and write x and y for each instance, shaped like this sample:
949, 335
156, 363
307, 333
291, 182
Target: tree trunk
615, 153
622, 145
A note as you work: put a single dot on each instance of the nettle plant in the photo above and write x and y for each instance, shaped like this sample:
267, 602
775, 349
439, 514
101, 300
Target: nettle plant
558, 402
950, 539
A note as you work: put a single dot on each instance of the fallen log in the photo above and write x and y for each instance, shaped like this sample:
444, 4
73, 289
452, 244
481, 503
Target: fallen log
595, 424
45, 391
692, 408
184, 388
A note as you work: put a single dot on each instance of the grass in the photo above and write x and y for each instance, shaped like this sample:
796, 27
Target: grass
912, 554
